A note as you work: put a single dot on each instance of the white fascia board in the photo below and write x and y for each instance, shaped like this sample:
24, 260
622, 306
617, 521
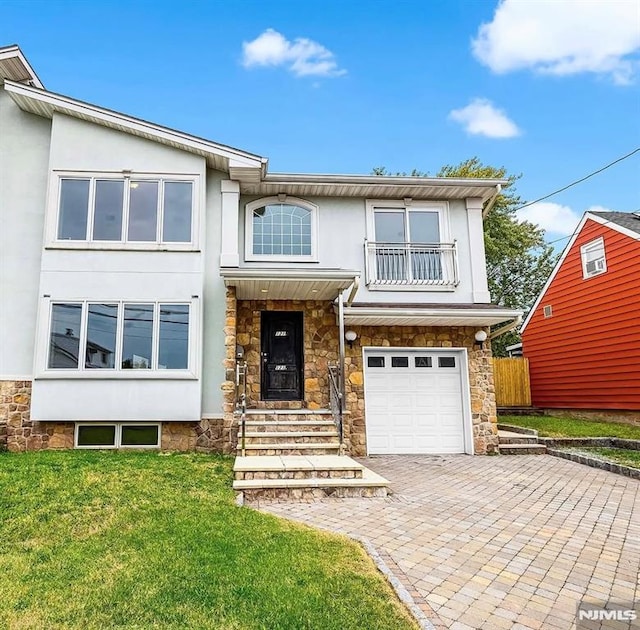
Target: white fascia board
547, 284
9, 52
100, 115
614, 226
372, 180
288, 274
431, 312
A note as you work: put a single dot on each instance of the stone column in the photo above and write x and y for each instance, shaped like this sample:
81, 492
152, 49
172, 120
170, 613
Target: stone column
229, 430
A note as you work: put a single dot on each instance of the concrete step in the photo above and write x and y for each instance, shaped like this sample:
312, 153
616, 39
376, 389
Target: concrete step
289, 425
288, 412
370, 485
510, 437
291, 437
291, 448
297, 467
522, 449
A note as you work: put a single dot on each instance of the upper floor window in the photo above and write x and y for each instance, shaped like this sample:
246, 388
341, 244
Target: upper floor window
125, 210
118, 336
281, 228
408, 244
593, 258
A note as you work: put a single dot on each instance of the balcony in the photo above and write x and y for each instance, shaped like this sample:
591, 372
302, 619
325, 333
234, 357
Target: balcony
411, 264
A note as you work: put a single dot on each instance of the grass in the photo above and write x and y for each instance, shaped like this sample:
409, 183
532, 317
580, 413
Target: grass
104, 540
552, 426
622, 456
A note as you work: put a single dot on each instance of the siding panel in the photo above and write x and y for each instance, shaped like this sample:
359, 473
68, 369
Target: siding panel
587, 354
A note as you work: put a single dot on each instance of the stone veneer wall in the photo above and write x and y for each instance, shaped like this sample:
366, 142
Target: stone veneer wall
320, 348
483, 401
20, 432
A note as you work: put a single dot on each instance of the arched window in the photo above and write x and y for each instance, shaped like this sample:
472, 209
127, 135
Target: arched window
281, 228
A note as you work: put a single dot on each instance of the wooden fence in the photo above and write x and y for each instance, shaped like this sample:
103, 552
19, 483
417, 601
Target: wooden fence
511, 378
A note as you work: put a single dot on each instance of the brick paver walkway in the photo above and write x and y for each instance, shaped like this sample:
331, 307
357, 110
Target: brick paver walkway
496, 542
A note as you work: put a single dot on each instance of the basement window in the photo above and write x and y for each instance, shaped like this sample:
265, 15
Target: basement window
117, 435
593, 258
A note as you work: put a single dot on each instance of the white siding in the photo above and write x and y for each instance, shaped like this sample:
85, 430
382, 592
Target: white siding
24, 157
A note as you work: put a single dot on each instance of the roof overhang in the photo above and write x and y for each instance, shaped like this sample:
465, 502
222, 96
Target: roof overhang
15, 67
432, 315
288, 284
221, 157
373, 186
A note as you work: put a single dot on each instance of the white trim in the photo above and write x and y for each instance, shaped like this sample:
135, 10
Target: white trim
464, 378
212, 416
262, 273
596, 245
135, 125
117, 443
565, 253
14, 377
382, 312
53, 211
249, 255
9, 52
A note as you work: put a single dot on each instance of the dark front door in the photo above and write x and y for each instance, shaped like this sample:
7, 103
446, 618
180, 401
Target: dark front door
281, 355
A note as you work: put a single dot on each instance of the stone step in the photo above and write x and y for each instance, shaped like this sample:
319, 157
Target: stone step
306, 437
288, 412
288, 425
522, 449
370, 485
291, 448
510, 437
297, 467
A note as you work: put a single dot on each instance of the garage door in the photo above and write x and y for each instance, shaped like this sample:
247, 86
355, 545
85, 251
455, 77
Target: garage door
414, 401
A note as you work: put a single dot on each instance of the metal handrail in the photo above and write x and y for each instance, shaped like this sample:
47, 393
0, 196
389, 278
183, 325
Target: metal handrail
427, 264
336, 402
241, 400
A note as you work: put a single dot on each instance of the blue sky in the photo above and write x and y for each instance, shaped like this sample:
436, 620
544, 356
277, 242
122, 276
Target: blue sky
549, 90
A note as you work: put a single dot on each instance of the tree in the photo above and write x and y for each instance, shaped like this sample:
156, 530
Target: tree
519, 261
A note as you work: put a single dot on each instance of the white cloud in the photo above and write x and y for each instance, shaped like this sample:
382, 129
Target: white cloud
303, 57
554, 217
482, 118
562, 37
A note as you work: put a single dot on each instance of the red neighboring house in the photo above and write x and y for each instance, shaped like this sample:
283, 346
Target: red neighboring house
582, 336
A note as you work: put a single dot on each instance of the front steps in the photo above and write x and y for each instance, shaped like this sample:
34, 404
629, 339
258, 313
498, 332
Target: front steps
296, 454
305, 477
512, 443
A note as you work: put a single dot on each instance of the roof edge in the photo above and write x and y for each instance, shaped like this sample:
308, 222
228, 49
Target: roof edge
8, 52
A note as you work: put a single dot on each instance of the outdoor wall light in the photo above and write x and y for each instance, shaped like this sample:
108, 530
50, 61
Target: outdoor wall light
481, 337
350, 336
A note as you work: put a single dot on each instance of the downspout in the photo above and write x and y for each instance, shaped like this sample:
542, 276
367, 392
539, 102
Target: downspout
341, 346
492, 201
506, 328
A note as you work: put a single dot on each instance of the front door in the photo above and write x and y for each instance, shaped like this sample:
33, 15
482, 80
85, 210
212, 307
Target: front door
281, 376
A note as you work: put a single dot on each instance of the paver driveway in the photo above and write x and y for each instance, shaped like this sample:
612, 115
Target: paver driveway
496, 542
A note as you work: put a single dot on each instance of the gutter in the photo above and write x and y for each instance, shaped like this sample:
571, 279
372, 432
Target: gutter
492, 201
506, 328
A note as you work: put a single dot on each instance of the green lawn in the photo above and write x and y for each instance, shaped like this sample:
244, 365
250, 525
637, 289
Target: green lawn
552, 426
100, 540
622, 456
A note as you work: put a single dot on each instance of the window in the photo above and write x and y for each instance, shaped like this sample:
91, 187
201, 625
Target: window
117, 435
119, 336
125, 210
281, 228
446, 362
593, 258
547, 311
423, 362
408, 244
375, 362
400, 362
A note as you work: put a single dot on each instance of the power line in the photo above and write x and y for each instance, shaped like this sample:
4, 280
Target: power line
578, 181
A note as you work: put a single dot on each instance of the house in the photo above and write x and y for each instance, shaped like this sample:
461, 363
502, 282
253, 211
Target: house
582, 337
151, 279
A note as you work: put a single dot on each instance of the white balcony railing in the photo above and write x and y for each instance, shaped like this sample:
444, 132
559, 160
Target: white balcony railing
421, 264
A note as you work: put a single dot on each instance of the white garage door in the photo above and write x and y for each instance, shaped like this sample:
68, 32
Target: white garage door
414, 401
